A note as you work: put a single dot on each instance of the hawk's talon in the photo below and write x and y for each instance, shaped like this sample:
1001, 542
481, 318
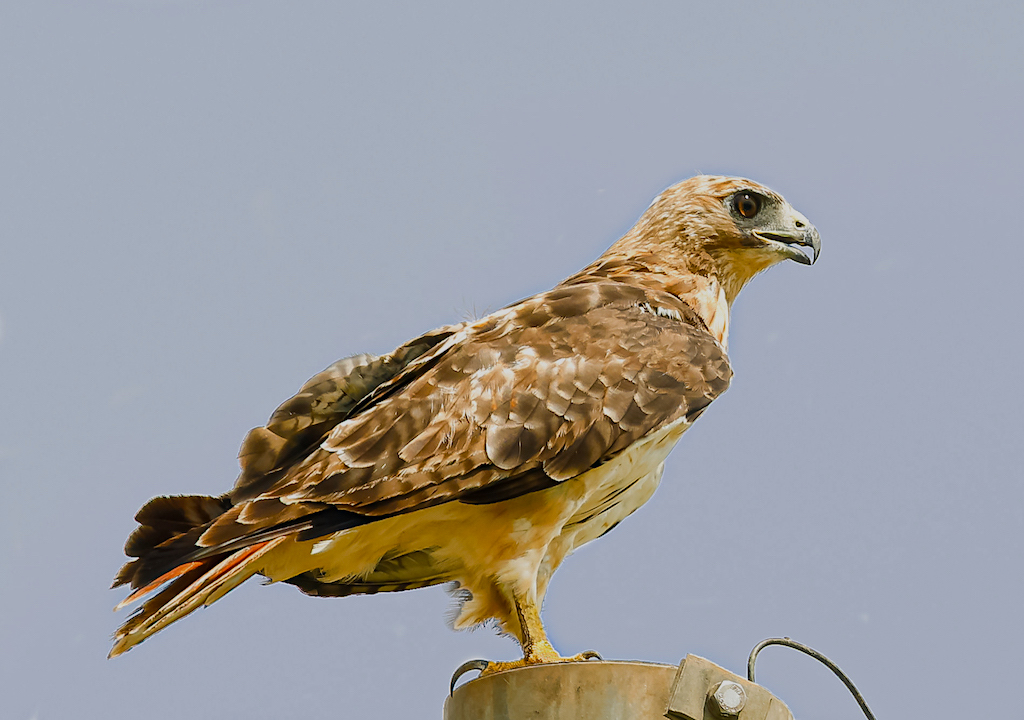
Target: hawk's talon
489, 667
466, 667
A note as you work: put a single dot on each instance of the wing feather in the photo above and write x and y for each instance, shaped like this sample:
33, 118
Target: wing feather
553, 385
529, 396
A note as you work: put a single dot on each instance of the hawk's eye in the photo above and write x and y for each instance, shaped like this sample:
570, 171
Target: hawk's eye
747, 204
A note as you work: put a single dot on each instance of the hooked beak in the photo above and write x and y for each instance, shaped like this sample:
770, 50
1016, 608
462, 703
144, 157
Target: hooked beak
788, 242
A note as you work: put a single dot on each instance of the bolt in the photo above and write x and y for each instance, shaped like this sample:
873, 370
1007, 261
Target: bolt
728, 698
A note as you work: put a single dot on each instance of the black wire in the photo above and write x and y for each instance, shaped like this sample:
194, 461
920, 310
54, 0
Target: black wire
814, 654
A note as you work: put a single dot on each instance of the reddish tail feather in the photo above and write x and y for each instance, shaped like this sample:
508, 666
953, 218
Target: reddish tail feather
192, 585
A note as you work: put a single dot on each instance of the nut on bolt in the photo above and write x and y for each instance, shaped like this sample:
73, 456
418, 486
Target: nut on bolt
728, 698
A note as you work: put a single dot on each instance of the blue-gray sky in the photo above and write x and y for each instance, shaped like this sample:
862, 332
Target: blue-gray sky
204, 203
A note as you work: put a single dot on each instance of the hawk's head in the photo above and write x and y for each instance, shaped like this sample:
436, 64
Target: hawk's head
730, 227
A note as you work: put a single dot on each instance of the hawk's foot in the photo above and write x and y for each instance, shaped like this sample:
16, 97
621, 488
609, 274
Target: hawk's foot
539, 656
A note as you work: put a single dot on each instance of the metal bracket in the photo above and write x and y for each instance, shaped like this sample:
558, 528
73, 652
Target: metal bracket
705, 691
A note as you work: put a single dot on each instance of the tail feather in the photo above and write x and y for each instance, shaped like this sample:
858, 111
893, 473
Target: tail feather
165, 578
166, 517
192, 586
168, 528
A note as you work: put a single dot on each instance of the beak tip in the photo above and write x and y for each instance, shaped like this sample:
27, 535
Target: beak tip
813, 240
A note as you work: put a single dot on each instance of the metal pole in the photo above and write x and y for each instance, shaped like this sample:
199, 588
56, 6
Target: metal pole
602, 690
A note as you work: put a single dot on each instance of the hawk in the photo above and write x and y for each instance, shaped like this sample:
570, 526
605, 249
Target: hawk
482, 453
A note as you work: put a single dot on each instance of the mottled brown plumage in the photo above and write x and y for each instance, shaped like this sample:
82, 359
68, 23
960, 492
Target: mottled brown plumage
481, 453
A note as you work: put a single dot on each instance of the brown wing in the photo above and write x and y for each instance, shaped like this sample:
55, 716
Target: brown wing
326, 399
531, 395
169, 527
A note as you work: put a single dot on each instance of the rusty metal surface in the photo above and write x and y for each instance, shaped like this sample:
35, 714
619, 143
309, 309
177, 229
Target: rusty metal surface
566, 691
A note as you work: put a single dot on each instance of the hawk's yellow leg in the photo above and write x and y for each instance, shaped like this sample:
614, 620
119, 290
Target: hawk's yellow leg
537, 648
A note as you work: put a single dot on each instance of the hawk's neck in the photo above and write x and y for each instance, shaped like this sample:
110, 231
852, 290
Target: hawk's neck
695, 285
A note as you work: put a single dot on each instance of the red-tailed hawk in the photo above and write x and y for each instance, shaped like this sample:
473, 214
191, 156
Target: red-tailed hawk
483, 453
